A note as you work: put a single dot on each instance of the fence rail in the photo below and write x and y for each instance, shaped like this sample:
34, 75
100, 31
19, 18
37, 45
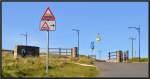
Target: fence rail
60, 51
118, 56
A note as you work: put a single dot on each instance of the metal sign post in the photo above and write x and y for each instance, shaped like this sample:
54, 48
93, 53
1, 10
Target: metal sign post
98, 39
92, 46
47, 58
48, 23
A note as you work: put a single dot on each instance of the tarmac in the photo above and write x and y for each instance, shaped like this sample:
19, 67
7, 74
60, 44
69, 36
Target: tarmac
122, 69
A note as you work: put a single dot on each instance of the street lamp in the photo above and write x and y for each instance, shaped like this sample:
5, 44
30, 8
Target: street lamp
132, 45
78, 39
98, 38
138, 29
25, 37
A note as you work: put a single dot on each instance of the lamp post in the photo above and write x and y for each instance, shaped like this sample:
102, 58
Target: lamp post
98, 39
78, 39
99, 54
25, 37
135, 52
132, 39
138, 29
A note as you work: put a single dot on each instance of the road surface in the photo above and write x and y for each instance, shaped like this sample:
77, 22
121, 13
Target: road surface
122, 69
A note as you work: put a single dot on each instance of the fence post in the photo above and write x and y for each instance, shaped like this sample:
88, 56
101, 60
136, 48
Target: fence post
121, 56
118, 56
66, 51
109, 55
59, 51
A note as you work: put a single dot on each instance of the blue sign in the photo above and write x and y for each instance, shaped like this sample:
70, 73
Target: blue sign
92, 45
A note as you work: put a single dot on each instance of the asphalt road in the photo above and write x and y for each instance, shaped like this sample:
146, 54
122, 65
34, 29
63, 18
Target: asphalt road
122, 69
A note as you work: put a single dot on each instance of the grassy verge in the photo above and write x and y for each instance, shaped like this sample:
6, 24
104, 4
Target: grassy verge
85, 60
137, 60
35, 67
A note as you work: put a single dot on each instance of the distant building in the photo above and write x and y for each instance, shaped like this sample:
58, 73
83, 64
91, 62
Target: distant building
23, 51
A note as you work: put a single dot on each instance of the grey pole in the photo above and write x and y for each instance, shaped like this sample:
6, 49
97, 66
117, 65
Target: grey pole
26, 36
132, 46
47, 58
78, 43
99, 54
135, 53
139, 44
26, 39
132, 49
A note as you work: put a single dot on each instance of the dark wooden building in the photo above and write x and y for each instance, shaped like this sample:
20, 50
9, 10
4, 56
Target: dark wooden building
23, 51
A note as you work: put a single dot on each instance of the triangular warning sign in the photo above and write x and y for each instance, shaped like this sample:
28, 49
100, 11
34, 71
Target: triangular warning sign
48, 15
45, 26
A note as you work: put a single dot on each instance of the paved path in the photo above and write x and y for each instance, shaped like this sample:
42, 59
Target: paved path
122, 69
85, 64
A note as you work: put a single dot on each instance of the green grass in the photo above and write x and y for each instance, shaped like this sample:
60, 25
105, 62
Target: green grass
85, 60
137, 60
35, 67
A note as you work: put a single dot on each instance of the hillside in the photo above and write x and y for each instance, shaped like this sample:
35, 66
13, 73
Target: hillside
59, 66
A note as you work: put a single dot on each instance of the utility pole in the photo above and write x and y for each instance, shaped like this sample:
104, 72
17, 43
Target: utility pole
132, 39
138, 29
78, 39
26, 36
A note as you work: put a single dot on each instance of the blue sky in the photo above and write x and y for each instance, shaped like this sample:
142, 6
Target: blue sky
110, 19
